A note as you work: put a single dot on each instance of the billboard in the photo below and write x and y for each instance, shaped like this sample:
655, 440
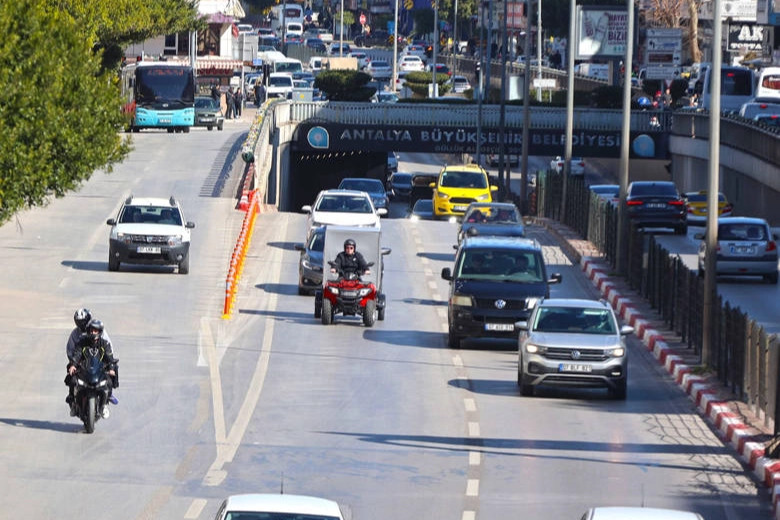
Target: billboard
601, 32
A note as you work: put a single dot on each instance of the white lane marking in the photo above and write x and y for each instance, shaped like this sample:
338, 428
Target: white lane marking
457, 361
424, 261
436, 297
469, 515
64, 283
473, 429
428, 272
195, 509
442, 312
432, 284
475, 458
417, 239
227, 450
445, 327
472, 487
470, 404
209, 348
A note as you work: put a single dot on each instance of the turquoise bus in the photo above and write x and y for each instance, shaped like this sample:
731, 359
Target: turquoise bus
159, 94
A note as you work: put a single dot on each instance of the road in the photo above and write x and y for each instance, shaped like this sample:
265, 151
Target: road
387, 420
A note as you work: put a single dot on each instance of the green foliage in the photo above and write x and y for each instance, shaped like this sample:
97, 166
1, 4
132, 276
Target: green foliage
418, 82
345, 85
59, 110
423, 22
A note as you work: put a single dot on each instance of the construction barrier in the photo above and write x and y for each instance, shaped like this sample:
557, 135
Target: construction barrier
239, 253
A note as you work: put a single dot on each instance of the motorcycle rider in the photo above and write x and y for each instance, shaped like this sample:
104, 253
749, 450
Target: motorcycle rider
81, 317
350, 260
93, 338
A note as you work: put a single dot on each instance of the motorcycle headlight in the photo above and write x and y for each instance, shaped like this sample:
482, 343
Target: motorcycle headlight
364, 291
80, 382
334, 290
463, 301
102, 383
174, 240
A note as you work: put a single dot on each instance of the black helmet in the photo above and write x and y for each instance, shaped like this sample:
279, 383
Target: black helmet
82, 318
95, 325
349, 242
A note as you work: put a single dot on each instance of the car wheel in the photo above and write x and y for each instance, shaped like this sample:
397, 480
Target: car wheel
113, 261
369, 313
302, 291
526, 390
327, 312
210, 127
186, 129
453, 340
220, 126
184, 265
619, 392
772, 278
380, 314
170, 130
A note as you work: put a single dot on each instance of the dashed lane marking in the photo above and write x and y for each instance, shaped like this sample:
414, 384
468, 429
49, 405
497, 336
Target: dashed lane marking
470, 404
473, 429
195, 509
472, 487
475, 458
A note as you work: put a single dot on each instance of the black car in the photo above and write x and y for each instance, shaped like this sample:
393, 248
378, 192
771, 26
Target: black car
310, 263
379, 38
317, 45
657, 204
399, 185
491, 219
495, 283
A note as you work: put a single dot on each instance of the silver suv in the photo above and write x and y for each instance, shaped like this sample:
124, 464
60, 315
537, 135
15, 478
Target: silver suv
571, 342
149, 231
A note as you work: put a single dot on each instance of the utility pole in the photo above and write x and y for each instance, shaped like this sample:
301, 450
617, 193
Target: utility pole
625, 141
395, 48
435, 86
526, 109
503, 174
570, 50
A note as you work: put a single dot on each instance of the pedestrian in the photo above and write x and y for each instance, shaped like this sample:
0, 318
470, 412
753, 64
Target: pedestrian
215, 93
259, 94
238, 100
230, 100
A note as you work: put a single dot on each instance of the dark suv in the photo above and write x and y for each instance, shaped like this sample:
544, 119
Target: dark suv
495, 283
657, 204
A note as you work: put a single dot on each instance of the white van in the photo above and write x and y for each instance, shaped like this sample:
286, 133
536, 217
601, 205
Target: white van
737, 87
768, 83
294, 29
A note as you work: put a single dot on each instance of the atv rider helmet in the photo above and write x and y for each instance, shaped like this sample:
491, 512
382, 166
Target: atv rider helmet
349, 243
95, 329
82, 317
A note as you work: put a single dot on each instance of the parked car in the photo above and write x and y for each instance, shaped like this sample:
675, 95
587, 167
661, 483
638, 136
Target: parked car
491, 219
374, 188
460, 84
696, 202
343, 208
577, 165
495, 282
411, 63
399, 185
458, 186
573, 342
511, 159
657, 204
310, 262
375, 38
746, 247
271, 506
208, 113
379, 70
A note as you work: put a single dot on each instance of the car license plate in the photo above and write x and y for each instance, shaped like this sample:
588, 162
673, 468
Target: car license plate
149, 250
163, 121
743, 250
573, 367
656, 205
460, 208
500, 327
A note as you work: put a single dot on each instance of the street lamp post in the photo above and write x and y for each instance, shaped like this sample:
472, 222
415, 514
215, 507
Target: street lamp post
341, 32
539, 47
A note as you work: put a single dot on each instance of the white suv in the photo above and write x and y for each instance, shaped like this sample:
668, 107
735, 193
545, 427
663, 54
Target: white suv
149, 231
343, 208
280, 85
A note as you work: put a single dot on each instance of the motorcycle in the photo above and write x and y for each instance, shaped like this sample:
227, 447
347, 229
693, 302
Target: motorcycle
348, 295
91, 390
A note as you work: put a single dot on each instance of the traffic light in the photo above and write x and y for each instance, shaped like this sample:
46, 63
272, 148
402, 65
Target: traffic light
478, 68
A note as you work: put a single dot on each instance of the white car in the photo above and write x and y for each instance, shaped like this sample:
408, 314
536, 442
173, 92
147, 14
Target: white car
343, 208
460, 84
278, 506
410, 63
362, 59
280, 85
577, 165
379, 70
414, 50
638, 513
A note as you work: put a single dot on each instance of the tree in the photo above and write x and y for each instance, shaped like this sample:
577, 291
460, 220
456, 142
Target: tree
59, 109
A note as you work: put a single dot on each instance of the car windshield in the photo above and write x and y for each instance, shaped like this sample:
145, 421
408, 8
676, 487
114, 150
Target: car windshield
653, 189
252, 515
486, 214
574, 320
344, 204
367, 185
204, 102
401, 178
379, 65
461, 179
280, 81
150, 215
317, 242
742, 231
502, 265
423, 206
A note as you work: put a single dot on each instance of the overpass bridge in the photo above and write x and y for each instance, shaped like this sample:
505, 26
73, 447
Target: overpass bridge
303, 147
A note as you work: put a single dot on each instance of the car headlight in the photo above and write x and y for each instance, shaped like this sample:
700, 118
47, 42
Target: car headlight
463, 301
532, 348
486, 196
364, 291
616, 352
174, 240
442, 195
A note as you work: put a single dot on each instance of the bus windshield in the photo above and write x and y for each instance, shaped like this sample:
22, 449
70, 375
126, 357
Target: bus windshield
173, 85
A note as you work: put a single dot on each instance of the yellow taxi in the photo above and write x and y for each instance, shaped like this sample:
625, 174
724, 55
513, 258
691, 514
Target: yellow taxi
696, 202
457, 187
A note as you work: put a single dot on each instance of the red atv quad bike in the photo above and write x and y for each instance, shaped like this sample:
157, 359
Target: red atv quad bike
349, 296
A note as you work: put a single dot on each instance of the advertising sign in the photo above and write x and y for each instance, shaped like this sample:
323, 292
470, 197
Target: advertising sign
601, 32
745, 36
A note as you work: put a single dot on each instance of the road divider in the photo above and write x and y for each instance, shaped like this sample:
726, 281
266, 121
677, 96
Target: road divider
239, 252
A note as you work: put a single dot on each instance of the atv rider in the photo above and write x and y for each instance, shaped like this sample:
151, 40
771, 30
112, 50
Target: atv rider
350, 261
81, 317
93, 339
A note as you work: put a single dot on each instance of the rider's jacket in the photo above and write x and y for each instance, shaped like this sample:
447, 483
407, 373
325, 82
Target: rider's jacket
85, 342
354, 263
75, 336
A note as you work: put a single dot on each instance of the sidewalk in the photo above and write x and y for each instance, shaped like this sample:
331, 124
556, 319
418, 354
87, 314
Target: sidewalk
737, 424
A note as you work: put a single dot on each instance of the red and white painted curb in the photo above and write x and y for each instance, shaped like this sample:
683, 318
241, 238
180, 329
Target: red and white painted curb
735, 432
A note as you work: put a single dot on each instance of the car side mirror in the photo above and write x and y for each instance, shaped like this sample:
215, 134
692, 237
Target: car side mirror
111, 222
190, 225
521, 325
625, 330
446, 274
386, 251
493, 188
555, 278
381, 212
432, 185
306, 208
299, 247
